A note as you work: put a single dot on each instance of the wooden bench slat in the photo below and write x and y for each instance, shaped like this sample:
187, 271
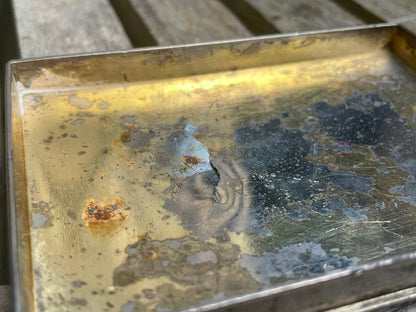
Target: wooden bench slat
58, 27
398, 10
188, 21
303, 15
5, 299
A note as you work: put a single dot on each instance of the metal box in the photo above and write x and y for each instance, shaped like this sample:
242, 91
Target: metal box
273, 173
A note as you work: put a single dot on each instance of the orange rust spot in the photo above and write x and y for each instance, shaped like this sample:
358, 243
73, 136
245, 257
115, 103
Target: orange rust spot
102, 175
191, 160
143, 237
122, 156
198, 136
101, 214
95, 213
130, 163
125, 137
152, 255
105, 220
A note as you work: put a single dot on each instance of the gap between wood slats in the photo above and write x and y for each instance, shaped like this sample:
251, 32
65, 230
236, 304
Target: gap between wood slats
250, 17
134, 26
359, 11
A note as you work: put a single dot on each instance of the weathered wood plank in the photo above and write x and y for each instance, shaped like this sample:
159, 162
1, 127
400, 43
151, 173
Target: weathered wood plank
302, 15
8, 50
188, 21
58, 27
5, 299
4, 266
401, 11
252, 19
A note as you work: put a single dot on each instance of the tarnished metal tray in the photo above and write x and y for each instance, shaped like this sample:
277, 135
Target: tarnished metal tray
268, 173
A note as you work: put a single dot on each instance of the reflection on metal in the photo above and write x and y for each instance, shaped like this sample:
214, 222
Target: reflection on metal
215, 175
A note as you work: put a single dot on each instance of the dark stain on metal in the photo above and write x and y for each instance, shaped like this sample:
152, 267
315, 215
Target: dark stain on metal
191, 160
78, 301
78, 283
183, 269
48, 140
368, 120
125, 136
283, 180
198, 136
305, 259
133, 136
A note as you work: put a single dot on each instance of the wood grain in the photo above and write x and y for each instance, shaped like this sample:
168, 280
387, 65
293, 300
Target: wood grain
303, 15
58, 27
401, 11
5, 299
188, 21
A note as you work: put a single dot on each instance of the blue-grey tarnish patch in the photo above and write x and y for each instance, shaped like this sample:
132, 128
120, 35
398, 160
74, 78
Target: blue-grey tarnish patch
187, 156
131, 251
294, 260
82, 103
128, 307
38, 220
174, 244
162, 309
388, 249
203, 256
76, 122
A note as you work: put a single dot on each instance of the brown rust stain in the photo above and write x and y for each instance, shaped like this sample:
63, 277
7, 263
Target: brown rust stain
198, 136
191, 160
95, 213
152, 255
125, 136
130, 163
104, 218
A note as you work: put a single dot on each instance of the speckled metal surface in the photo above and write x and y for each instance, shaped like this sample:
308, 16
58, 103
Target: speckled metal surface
144, 183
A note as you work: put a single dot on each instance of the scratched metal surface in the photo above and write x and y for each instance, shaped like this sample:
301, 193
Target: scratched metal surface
177, 191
